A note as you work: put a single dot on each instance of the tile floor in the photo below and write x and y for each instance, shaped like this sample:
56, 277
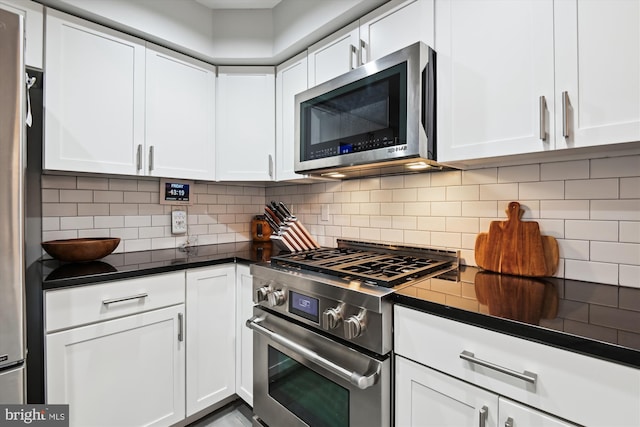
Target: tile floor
236, 414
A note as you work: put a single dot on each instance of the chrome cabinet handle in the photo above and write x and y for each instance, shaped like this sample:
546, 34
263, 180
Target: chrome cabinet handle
139, 157
565, 114
129, 298
361, 381
151, 152
363, 47
543, 110
353, 51
180, 327
509, 422
270, 166
525, 376
482, 416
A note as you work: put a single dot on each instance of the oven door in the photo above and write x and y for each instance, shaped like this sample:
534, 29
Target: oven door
301, 378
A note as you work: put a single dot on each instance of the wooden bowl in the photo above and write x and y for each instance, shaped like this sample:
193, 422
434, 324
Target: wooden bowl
81, 250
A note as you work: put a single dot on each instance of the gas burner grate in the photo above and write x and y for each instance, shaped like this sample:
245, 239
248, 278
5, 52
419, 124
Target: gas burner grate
372, 267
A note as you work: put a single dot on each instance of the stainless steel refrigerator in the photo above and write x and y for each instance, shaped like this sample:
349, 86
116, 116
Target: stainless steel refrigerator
12, 209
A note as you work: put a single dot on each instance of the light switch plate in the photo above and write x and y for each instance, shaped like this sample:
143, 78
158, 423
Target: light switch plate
178, 222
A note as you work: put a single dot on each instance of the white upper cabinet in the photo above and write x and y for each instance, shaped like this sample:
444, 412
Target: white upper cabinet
180, 116
291, 79
34, 26
245, 117
598, 67
334, 55
94, 97
394, 25
114, 106
495, 61
538, 75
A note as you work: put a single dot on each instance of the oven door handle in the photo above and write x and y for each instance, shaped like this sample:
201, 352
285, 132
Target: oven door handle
361, 381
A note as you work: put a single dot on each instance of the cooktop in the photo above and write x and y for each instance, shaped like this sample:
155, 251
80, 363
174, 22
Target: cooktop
377, 264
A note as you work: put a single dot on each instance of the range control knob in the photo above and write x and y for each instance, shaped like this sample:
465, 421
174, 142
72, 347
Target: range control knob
355, 325
262, 293
277, 297
332, 317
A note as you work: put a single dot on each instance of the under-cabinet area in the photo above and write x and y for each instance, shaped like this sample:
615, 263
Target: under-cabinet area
150, 350
459, 374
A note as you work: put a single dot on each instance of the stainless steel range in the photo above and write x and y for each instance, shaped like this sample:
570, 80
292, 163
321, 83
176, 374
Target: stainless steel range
323, 331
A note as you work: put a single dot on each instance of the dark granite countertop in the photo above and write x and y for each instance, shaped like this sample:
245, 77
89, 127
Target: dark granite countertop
57, 274
594, 319
589, 318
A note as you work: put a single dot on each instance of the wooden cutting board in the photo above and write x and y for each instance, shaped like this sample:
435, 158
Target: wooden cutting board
517, 247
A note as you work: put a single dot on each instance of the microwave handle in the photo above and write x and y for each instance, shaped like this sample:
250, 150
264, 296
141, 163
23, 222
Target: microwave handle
361, 381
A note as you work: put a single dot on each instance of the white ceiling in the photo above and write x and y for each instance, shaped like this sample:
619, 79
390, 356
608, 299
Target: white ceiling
239, 4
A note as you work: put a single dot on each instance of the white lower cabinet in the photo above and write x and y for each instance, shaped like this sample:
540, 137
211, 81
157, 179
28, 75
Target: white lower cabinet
244, 335
127, 371
426, 397
512, 414
449, 370
149, 351
210, 336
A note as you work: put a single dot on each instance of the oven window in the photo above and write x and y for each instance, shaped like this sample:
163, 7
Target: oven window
310, 396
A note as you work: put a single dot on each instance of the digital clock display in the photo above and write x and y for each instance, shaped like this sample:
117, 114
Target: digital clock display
174, 192
304, 306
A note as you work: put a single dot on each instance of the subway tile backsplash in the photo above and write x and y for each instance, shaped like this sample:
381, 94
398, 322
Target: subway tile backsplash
130, 209
591, 206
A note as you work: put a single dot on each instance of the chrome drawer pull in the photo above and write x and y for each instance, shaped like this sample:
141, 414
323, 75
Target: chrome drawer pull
180, 327
482, 414
543, 127
132, 297
361, 381
509, 422
525, 376
565, 114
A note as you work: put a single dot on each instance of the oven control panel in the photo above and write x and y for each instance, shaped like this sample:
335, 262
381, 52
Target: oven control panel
336, 317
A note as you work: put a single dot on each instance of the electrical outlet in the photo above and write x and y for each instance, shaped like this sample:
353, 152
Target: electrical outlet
178, 222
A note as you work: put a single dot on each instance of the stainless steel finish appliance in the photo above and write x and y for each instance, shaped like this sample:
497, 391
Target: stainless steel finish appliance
376, 119
323, 331
12, 209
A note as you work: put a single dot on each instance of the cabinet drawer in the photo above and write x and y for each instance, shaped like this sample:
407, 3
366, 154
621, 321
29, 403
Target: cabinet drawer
69, 307
567, 384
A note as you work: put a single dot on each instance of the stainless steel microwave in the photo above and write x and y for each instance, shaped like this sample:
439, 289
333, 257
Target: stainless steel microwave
376, 119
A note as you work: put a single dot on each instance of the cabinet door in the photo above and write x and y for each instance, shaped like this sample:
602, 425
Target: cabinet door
245, 117
495, 61
513, 414
180, 102
598, 66
211, 332
34, 26
123, 372
244, 335
94, 97
291, 79
334, 55
395, 25
425, 397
